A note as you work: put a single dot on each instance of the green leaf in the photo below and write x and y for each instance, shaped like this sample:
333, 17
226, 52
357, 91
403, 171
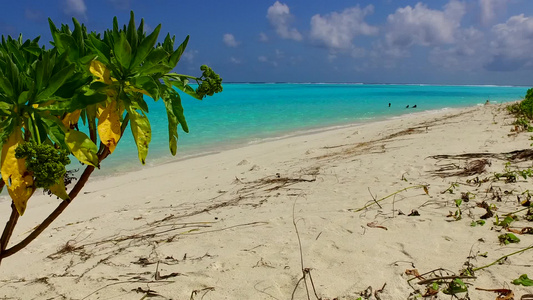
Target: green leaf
456, 286
155, 57
115, 25
478, 222
17, 55
81, 146
508, 238
146, 46
6, 86
505, 222
33, 49
184, 87
77, 34
523, 280
140, 30
6, 109
103, 50
13, 75
68, 44
73, 86
55, 83
56, 131
87, 58
175, 57
53, 27
142, 133
148, 84
160, 68
41, 70
172, 126
123, 51
7, 126
177, 109
132, 31
79, 101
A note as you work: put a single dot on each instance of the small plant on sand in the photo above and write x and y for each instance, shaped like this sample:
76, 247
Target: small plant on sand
523, 124
440, 280
512, 175
98, 79
523, 111
458, 214
451, 189
523, 280
526, 106
477, 223
508, 238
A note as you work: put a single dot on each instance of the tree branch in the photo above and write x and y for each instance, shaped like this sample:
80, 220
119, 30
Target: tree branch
60, 208
8, 230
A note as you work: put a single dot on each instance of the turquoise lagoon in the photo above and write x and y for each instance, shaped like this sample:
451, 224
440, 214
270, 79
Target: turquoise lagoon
247, 113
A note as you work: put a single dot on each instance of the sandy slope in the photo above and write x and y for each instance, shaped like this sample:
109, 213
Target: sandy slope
223, 225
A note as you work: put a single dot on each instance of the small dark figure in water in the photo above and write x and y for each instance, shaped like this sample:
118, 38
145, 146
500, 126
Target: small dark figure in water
407, 106
389, 104
414, 106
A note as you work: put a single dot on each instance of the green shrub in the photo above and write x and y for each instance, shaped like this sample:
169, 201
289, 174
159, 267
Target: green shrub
526, 106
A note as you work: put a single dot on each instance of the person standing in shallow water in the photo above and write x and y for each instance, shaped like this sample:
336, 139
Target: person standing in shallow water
389, 104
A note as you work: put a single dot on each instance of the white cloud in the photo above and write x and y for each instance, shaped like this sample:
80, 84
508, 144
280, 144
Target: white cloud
357, 52
468, 53
420, 25
265, 59
189, 55
263, 37
230, 40
490, 9
235, 60
336, 31
512, 44
76, 8
280, 18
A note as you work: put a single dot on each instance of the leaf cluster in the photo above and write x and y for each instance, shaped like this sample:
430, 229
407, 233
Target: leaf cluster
512, 175
45, 162
98, 78
526, 106
523, 112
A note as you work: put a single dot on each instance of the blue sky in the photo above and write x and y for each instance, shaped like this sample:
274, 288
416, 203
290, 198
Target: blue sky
379, 41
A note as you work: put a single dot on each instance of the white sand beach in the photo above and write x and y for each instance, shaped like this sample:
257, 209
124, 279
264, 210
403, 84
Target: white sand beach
222, 226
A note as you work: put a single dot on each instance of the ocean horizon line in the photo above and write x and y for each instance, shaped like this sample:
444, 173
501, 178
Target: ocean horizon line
373, 83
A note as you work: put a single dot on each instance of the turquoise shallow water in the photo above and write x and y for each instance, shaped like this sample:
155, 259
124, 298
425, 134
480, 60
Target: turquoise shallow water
247, 113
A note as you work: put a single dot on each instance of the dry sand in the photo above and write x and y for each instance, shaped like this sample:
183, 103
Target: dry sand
222, 226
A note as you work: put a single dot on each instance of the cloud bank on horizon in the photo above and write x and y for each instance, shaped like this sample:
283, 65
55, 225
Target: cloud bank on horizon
438, 41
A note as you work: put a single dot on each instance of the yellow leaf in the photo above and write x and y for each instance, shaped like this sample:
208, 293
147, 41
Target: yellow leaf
17, 178
100, 71
142, 133
71, 118
59, 190
129, 88
109, 129
82, 147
